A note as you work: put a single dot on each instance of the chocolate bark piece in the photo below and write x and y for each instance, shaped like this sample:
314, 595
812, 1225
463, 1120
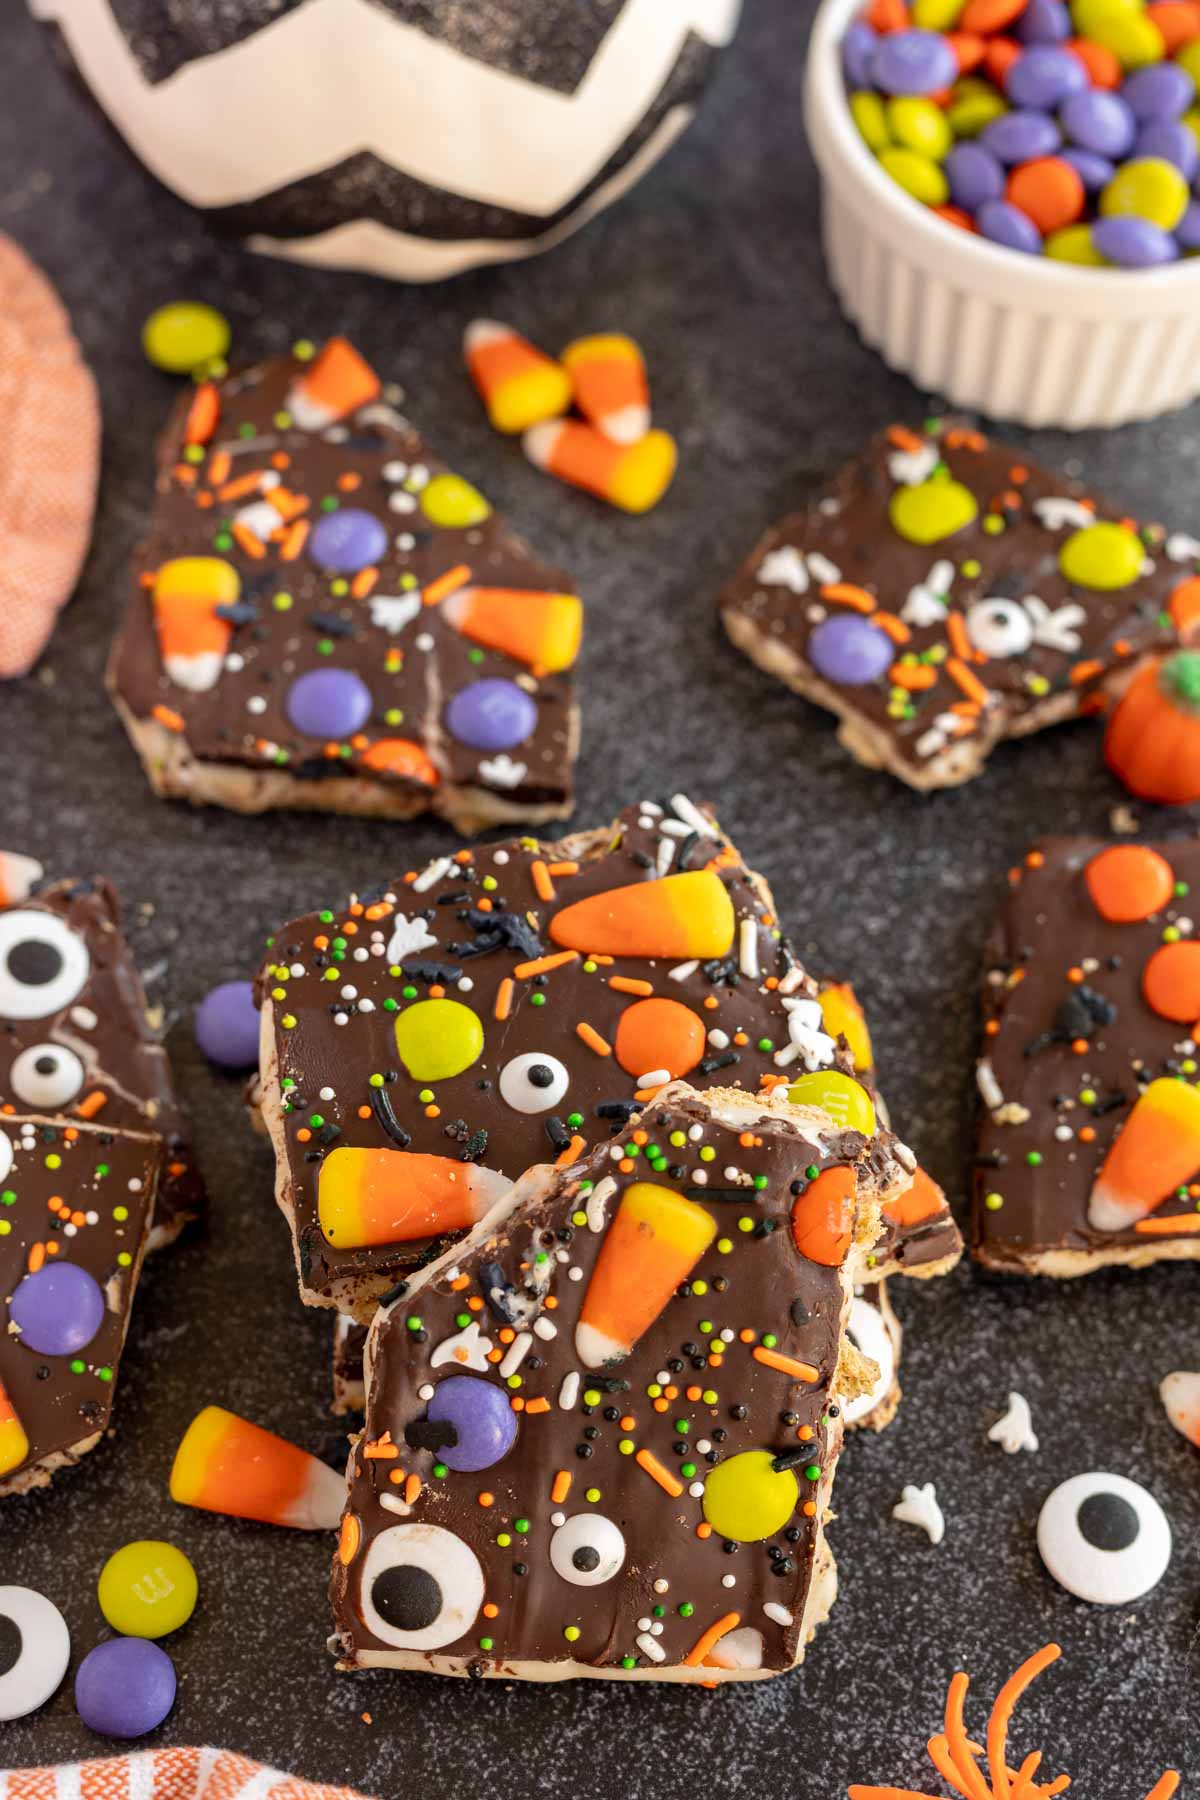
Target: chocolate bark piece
77, 1038
931, 597
76, 1203
1085, 1155
349, 1347
601, 1433
877, 1334
428, 1044
326, 617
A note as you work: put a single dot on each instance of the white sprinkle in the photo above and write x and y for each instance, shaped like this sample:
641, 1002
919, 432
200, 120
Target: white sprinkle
648, 1647
431, 873
666, 855
644, 1624
652, 807
727, 1336
778, 1615
657, 1628
568, 1393
597, 1200
676, 828
256, 704
700, 1177
545, 1328
500, 857
426, 1391
729, 1581
518, 1350
703, 1446
748, 948
661, 1586
349, 993
465, 984
691, 815
392, 1503
695, 1132
696, 1489
575, 1273
84, 1017
681, 971
990, 1091
654, 1079
401, 502
557, 1519
718, 1039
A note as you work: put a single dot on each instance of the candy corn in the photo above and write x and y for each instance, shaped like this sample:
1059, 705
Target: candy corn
609, 379
227, 1465
392, 1196
14, 1445
1157, 1150
542, 630
843, 1017
680, 915
335, 383
18, 876
192, 636
655, 1240
516, 382
1180, 1394
634, 477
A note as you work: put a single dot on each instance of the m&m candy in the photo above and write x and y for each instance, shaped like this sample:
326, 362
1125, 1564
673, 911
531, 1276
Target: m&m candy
147, 1589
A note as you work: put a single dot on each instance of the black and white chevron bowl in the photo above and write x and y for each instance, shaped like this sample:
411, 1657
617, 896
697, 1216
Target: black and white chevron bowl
411, 138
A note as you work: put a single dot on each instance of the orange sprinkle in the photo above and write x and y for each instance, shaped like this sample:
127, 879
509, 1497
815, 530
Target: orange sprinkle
246, 541
646, 1460
542, 883
348, 1539
628, 984
363, 583
92, 1103
412, 1488
504, 994
956, 631
1186, 1224
787, 1365
849, 595
967, 680
571, 1153
564, 868
704, 1529
592, 1039
486, 1499
37, 1257
219, 468
896, 629
560, 1487
538, 1405
542, 965
914, 677
449, 583
1086, 671
167, 716
708, 1640
293, 543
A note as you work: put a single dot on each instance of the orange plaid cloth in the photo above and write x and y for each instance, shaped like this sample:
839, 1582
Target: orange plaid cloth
49, 459
174, 1774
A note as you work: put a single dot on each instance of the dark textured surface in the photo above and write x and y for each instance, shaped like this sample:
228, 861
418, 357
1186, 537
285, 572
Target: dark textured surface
714, 263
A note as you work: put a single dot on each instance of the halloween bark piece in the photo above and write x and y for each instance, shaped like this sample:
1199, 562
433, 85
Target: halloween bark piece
326, 617
601, 1432
1089, 1133
512, 1005
76, 1203
944, 593
77, 1037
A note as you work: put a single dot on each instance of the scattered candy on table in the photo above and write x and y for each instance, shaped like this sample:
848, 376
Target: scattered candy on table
35, 1648
227, 1465
1071, 132
124, 1687
185, 336
147, 1589
1104, 1539
1180, 1395
226, 1025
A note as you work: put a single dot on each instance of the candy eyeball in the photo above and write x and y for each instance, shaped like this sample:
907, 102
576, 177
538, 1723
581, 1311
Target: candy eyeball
999, 628
1104, 1539
46, 1075
35, 1648
43, 964
588, 1550
422, 1587
533, 1083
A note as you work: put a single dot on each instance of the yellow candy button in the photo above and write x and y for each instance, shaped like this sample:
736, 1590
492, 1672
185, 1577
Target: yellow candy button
845, 1100
185, 335
932, 510
936, 15
1147, 188
1102, 557
453, 503
438, 1038
1073, 244
746, 1499
973, 105
919, 125
918, 175
1122, 27
870, 115
147, 1589
1189, 59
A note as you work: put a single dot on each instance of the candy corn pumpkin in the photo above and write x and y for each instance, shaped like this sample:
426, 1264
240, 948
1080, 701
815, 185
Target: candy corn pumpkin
1153, 738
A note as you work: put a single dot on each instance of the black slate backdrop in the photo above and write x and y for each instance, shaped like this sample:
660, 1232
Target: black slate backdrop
714, 263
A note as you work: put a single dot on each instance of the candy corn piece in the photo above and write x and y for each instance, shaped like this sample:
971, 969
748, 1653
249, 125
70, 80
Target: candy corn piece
227, 1465
335, 383
392, 1196
192, 637
18, 876
923, 1200
1180, 1394
1157, 1150
655, 1240
516, 382
680, 915
14, 1445
609, 379
843, 1017
542, 630
634, 477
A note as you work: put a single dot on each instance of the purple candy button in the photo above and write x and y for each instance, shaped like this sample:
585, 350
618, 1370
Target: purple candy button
1007, 225
1021, 136
849, 650
1044, 76
58, 1309
974, 176
1187, 232
125, 1687
226, 1025
913, 62
1133, 243
858, 48
1099, 121
481, 1415
1171, 142
1161, 91
1044, 22
347, 540
491, 715
1094, 171
329, 703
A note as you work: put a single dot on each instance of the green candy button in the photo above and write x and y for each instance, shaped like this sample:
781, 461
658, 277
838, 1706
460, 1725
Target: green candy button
1102, 557
932, 510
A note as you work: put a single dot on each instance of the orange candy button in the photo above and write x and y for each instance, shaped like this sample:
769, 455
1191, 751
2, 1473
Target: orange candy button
1103, 66
659, 1034
401, 756
1129, 882
987, 16
1178, 20
1048, 191
1171, 982
1185, 606
823, 1217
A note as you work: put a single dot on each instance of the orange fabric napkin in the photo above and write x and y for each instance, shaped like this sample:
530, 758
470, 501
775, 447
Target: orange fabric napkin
174, 1774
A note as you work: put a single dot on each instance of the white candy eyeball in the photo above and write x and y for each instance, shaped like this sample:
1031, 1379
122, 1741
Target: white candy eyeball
869, 1333
422, 1587
43, 964
588, 1550
533, 1083
35, 1648
999, 627
1104, 1538
6, 1155
46, 1075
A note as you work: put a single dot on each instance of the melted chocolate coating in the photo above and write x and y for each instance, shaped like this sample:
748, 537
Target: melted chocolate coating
1043, 1166
533, 1273
848, 525
92, 1173
374, 462
127, 1081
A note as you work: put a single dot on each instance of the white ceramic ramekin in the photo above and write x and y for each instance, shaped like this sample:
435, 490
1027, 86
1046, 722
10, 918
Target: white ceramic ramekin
1017, 337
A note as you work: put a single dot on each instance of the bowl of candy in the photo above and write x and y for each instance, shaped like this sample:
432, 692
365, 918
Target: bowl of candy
1011, 198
